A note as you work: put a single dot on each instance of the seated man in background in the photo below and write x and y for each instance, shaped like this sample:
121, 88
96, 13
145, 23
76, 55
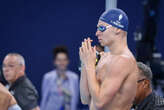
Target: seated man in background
19, 85
60, 86
146, 99
7, 101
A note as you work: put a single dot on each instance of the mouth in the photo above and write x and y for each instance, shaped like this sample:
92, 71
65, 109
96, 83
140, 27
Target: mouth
6, 74
99, 40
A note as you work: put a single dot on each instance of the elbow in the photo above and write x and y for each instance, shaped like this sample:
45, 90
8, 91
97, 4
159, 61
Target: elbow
100, 106
102, 103
105, 100
85, 98
85, 101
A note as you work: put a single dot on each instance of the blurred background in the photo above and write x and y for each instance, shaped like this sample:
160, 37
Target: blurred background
34, 27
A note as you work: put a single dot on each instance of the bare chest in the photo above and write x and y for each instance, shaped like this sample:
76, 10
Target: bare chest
102, 69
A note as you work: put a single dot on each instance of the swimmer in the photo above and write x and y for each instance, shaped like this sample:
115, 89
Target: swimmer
112, 83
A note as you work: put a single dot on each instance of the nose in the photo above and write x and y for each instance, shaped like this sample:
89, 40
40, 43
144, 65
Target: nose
98, 33
5, 69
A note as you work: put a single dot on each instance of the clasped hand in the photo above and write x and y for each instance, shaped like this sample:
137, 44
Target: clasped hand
87, 53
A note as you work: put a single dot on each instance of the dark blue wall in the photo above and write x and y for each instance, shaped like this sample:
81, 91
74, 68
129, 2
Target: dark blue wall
33, 27
134, 9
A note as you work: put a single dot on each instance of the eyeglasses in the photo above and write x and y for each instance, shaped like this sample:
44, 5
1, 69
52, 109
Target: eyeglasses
102, 28
140, 80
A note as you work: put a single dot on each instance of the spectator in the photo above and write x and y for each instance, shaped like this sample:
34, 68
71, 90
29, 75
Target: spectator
146, 99
19, 85
60, 86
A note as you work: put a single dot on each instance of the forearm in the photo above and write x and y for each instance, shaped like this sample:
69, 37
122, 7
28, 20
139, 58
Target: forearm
93, 85
104, 93
84, 91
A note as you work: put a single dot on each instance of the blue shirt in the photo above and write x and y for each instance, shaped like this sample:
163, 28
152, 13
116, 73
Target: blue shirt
53, 97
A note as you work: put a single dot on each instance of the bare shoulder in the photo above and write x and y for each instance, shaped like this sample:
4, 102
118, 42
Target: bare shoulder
5, 96
3, 90
122, 62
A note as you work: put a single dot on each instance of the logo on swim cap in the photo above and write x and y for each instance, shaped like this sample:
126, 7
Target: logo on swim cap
115, 17
120, 17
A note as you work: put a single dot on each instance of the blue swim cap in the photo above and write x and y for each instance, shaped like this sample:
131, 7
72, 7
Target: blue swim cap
115, 17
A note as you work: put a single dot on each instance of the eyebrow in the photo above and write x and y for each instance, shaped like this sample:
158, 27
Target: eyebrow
99, 24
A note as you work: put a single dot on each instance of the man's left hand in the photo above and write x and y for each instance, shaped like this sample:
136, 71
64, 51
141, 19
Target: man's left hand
87, 53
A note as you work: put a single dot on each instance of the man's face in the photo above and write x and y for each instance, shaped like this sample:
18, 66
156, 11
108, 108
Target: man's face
140, 90
106, 37
61, 61
142, 87
11, 68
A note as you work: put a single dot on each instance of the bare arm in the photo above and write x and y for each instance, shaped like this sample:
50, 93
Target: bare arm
103, 94
6, 99
84, 91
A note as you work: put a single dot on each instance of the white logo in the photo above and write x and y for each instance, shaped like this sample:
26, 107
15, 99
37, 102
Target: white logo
120, 17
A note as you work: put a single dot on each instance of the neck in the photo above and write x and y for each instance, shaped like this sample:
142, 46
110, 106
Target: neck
143, 96
119, 46
61, 73
17, 77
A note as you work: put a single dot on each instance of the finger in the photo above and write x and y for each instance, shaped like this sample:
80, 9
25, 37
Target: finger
94, 49
80, 50
89, 44
82, 43
90, 39
82, 46
85, 45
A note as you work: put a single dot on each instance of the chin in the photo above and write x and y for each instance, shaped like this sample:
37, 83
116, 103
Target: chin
102, 44
8, 80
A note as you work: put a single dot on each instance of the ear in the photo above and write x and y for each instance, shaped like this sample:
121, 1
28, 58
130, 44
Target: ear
117, 31
146, 84
23, 68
